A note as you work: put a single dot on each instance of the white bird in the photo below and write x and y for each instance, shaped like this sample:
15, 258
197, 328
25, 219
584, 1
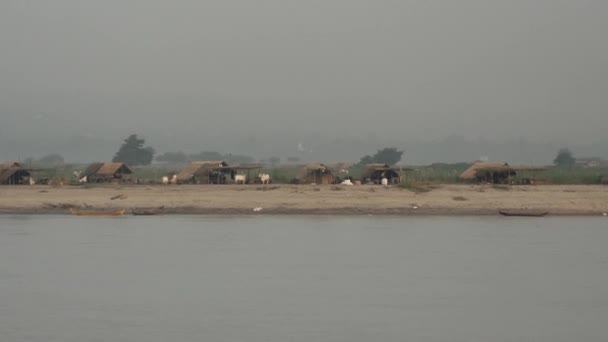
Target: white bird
347, 182
83, 180
257, 209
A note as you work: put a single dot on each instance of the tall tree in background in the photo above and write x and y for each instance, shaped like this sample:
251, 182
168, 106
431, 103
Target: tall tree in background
564, 158
173, 157
133, 152
389, 155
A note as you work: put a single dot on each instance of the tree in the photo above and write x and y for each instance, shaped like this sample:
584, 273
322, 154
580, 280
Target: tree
133, 152
366, 160
389, 155
173, 157
53, 159
564, 158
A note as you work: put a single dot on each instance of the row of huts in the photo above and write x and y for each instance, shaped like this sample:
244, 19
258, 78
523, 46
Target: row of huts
212, 172
219, 172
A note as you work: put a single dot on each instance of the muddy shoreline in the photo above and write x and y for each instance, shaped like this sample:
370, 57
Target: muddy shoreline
435, 200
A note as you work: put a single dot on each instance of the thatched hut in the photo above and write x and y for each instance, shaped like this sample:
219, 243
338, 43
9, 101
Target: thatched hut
340, 168
316, 173
375, 172
489, 172
106, 172
12, 173
205, 172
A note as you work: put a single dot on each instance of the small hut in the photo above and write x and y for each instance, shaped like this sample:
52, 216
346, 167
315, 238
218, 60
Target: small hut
375, 172
250, 171
106, 172
315, 174
489, 172
205, 172
11, 173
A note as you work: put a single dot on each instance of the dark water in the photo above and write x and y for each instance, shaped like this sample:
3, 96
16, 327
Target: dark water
303, 279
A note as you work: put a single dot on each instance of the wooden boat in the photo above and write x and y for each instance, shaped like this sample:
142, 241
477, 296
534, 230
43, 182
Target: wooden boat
523, 212
97, 212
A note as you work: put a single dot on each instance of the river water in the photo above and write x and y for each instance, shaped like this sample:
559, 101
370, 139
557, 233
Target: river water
303, 279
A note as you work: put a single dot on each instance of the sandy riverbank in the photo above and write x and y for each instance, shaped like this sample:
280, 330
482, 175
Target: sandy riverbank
307, 199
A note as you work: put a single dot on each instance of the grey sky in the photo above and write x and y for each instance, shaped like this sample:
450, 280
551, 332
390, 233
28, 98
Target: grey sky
188, 73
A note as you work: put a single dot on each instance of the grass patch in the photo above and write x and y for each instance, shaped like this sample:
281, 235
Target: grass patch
417, 188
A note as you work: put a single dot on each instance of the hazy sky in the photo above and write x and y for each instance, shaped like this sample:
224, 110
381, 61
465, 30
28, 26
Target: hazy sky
184, 72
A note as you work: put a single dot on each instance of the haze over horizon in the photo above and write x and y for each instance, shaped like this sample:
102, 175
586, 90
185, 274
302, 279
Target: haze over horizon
343, 76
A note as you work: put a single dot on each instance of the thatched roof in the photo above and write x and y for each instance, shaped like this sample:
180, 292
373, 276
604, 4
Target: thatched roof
472, 172
107, 169
8, 165
312, 168
340, 166
8, 169
370, 169
198, 167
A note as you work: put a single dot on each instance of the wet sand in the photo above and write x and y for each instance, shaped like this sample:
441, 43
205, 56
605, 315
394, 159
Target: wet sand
307, 199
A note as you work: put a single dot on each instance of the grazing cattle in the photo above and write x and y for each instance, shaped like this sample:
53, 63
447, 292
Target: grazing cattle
165, 180
264, 178
240, 179
385, 181
173, 180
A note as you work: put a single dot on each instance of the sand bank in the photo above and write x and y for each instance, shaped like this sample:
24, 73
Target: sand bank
307, 199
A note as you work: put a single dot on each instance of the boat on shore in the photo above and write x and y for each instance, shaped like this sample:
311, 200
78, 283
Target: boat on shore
523, 212
76, 212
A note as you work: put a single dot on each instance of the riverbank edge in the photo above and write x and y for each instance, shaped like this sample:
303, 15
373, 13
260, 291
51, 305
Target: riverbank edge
302, 212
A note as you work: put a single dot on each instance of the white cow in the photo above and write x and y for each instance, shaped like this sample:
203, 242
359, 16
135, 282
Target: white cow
347, 182
173, 180
264, 178
240, 179
385, 181
165, 180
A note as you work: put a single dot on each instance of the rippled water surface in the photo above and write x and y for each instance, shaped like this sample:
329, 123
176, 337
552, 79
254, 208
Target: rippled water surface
303, 279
